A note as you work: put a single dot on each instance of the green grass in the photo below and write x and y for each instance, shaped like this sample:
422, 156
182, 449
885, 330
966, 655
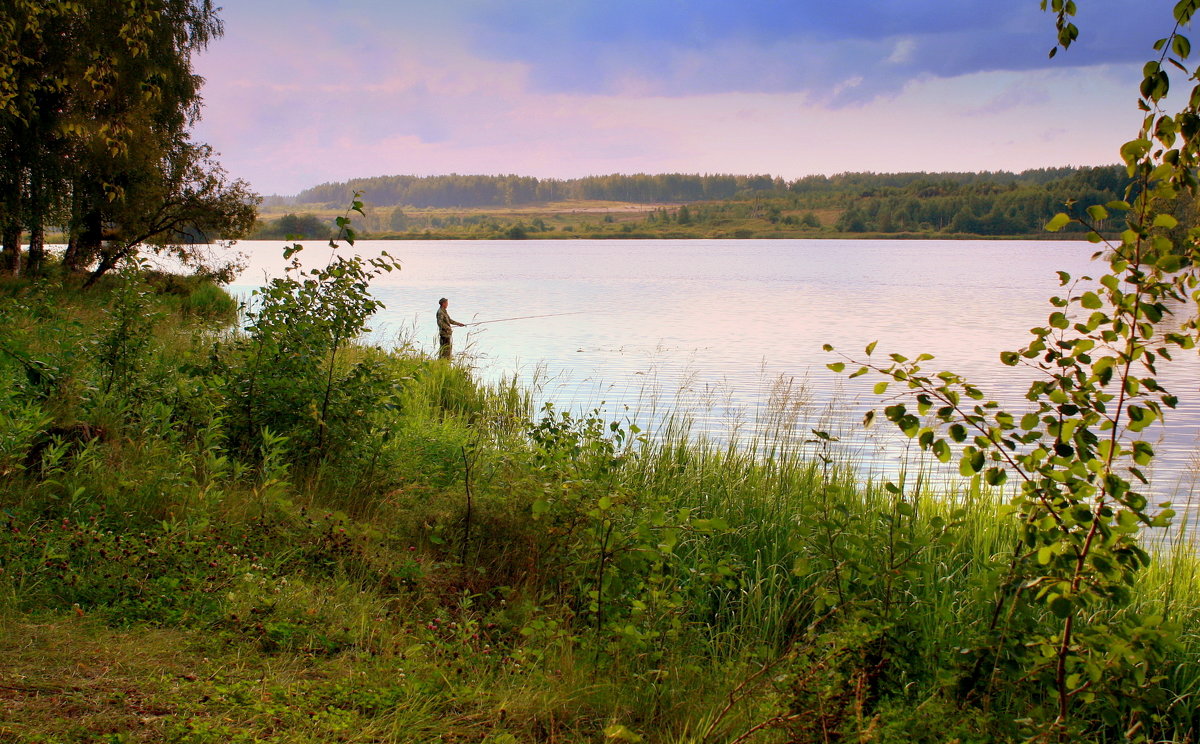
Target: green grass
160, 584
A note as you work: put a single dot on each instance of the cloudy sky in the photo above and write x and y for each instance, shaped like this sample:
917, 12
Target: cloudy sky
300, 92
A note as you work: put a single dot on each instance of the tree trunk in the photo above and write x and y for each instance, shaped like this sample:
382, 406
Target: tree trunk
84, 243
37, 248
10, 252
108, 260
38, 207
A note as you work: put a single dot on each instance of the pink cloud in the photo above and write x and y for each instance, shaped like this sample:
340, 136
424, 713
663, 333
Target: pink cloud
300, 106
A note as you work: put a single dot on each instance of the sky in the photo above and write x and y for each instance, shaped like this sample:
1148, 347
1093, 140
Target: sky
302, 92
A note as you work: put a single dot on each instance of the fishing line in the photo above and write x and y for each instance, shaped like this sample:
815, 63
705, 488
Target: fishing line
524, 317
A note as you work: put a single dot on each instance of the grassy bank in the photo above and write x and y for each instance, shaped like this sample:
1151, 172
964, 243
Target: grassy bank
279, 535
595, 220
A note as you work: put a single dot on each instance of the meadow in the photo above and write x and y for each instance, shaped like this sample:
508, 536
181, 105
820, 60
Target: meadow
560, 220
221, 527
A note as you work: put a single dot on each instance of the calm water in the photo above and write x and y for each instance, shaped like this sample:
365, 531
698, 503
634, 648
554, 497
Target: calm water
731, 330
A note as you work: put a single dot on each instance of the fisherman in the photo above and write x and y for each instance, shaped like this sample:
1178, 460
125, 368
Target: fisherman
445, 326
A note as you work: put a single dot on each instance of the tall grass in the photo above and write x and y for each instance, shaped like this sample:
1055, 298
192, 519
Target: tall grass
688, 588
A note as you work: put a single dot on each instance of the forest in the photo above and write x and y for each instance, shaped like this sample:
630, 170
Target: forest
990, 204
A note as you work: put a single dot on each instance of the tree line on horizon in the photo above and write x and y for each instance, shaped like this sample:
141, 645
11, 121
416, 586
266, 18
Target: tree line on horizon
990, 203
456, 190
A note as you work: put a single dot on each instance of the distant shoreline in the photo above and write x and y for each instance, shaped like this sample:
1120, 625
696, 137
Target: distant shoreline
636, 236
58, 242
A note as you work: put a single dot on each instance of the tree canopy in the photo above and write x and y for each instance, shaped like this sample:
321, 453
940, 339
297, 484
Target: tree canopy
96, 102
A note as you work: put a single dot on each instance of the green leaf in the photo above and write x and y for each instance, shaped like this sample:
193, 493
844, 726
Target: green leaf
836, 366
1184, 10
1134, 150
1143, 453
1169, 263
871, 347
926, 438
709, 525
617, 732
1165, 220
1097, 212
1058, 222
971, 462
941, 450
1140, 418
881, 387
1061, 606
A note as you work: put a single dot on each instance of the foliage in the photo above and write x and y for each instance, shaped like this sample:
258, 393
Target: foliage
512, 190
1077, 452
619, 550
127, 334
292, 226
286, 374
95, 103
178, 209
602, 580
932, 198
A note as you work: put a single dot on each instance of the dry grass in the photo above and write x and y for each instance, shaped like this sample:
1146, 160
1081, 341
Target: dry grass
71, 680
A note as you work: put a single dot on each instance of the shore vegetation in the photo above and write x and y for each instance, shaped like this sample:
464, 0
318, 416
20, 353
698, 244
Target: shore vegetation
259, 528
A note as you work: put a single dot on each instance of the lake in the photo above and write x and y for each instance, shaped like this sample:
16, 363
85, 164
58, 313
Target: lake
731, 331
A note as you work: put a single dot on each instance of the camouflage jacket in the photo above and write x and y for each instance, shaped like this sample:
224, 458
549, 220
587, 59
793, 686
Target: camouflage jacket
445, 323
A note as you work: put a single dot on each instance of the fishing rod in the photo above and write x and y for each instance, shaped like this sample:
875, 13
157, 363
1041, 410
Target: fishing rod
524, 317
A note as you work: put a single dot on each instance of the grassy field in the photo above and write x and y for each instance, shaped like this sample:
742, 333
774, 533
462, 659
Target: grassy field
210, 535
576, 219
